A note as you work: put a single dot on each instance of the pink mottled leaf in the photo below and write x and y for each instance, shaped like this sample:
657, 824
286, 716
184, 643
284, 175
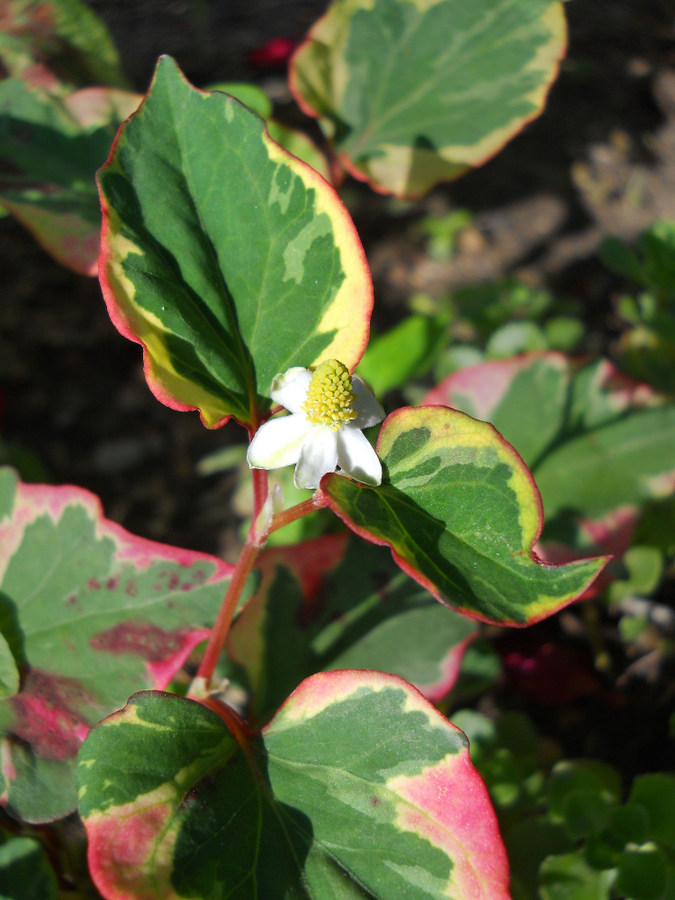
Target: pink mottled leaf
91, 613
358, 788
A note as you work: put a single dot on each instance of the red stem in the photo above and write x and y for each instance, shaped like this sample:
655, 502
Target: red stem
222, 625
260, 486
245, 563
297, 512
235, 724
260, 489
249, 554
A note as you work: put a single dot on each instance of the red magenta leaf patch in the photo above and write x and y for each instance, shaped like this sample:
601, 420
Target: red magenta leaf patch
92, 613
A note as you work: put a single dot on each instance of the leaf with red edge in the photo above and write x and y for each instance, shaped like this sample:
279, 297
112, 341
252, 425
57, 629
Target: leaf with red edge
413, 92
599, 444
461, 513
91, 613
358, 788
337, 602
225, 257
50, 149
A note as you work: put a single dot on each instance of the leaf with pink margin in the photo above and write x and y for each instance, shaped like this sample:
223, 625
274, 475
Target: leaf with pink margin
461, 513
337, 602
91, 614
226, 258
51, 147
598, 443
358, 788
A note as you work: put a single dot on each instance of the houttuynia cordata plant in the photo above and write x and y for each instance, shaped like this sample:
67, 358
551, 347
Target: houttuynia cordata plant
271, 728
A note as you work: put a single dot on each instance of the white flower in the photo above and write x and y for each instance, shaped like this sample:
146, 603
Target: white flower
328, 409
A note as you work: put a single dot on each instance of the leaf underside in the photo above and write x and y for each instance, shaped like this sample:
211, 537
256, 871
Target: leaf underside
450, 83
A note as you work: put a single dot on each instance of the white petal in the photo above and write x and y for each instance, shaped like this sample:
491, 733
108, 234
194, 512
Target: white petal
369, 412
318, 456
278, 442
357, 457
290, 388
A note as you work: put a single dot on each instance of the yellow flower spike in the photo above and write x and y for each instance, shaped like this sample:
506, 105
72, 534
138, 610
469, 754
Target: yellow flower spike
330, 396
328, 409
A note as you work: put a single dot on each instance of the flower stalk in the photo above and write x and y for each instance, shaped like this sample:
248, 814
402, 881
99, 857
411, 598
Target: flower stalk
328, 407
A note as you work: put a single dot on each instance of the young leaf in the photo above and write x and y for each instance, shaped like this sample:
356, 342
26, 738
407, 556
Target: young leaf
461, 513
450, 83
91, 613
336, 602
50, 148
227, 258
330, 803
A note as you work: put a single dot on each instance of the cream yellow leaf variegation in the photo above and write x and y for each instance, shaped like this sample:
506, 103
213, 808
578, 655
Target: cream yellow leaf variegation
328, 408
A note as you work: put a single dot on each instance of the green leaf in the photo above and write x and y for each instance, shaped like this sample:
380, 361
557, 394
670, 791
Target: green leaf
296, 142
652, 265
460, 512
570, 877
656, 794
525, 398
248, 94
528, 843
330, 803
644, 571
515, 337
336, 602
9, 674
623, 463
643, 872
508, 755
583, 776
300, 145
66, 34
25, 873
402, 353
450, 83
91, 613
225, 257
50, 148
